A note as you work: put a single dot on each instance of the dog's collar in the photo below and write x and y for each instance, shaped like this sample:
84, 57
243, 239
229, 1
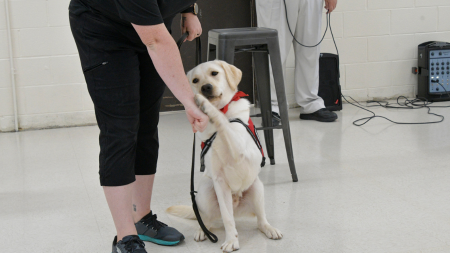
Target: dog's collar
236, 97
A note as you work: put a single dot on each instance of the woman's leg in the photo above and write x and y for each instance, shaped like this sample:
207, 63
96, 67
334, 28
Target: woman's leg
142, 196
151, 90
119, 202
112, 76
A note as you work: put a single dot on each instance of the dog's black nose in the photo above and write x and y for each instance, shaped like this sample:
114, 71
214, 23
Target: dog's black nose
207, 90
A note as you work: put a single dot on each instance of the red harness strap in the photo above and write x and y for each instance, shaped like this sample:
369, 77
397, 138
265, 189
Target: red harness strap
251, 126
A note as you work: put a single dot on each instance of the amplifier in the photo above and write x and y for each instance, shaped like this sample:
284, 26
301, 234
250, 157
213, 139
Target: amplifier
433, 71
329, 85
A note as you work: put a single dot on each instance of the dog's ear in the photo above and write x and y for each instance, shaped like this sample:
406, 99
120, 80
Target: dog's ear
232, 73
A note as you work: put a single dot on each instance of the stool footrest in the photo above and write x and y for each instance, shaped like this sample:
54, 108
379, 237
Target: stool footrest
270, 128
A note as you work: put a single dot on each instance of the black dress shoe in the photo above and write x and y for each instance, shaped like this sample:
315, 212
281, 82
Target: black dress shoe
322, 115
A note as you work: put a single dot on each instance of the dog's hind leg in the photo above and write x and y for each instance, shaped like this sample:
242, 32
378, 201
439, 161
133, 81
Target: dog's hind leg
234, 143
254, 197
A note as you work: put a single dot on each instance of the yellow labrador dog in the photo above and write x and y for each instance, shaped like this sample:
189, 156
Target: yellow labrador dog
230, 186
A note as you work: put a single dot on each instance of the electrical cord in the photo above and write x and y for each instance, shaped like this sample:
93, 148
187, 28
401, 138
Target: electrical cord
417, 103
328, 16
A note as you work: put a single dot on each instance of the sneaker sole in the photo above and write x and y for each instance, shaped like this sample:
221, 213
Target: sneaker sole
158, 241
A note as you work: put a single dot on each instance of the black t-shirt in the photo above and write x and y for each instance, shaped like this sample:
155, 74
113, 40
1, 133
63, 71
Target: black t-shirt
140, 12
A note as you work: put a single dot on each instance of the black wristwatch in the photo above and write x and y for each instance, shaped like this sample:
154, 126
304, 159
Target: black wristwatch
192, 9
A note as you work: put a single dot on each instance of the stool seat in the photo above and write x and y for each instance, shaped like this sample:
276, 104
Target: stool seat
263, 42
243, 33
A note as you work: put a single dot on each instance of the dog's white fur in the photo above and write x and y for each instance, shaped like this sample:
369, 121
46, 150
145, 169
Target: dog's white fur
231, 186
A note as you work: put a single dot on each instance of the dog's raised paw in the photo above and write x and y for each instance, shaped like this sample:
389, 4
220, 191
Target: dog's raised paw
271, 232
200, 101
230, 245
200, 235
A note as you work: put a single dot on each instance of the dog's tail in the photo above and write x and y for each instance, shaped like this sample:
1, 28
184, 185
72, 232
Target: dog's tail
182, 211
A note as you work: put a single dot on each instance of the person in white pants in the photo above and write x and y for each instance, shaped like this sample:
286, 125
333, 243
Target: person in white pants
305, 20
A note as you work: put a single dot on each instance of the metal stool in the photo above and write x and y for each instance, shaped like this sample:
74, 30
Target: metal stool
260, 42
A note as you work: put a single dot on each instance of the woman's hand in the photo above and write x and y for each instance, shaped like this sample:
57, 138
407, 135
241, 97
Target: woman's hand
197, 118
330, 5
191, 24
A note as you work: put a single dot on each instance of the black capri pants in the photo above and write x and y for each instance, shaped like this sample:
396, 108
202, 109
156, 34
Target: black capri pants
126, 91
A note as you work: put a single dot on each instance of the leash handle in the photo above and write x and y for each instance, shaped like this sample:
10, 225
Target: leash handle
198, 47
182, 39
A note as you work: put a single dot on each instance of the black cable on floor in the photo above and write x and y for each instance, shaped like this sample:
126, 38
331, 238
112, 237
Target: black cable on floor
418, 103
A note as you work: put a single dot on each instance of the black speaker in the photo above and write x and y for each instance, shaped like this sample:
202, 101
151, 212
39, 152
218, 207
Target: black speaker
433, 71
329, 86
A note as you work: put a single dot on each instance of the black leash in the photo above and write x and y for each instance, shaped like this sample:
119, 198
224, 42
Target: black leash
212, 237
198, 58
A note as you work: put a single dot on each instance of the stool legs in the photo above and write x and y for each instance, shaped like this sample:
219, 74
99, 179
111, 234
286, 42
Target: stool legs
261, 61
225, 51
274, 51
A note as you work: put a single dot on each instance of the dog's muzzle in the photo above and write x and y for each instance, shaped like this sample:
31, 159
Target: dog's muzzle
207, 90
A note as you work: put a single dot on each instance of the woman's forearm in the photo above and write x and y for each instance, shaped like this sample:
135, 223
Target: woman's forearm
167, 60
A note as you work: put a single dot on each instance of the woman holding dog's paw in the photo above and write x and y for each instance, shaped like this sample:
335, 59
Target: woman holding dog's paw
128, 56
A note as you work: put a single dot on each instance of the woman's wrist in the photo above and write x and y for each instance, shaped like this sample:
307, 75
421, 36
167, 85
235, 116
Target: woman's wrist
188, 15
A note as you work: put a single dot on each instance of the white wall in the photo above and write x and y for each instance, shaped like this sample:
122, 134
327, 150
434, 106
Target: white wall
51, 90
377, 42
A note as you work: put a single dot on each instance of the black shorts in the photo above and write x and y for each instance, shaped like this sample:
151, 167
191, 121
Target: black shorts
126, 91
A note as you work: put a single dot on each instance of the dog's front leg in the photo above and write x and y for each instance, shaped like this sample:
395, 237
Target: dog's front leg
225, 200
234, 144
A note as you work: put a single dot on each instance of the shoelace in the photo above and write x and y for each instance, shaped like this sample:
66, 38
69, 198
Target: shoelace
154, 222
131, 246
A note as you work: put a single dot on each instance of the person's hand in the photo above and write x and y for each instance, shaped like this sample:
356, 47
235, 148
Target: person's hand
330, 5
191, 24
197, 118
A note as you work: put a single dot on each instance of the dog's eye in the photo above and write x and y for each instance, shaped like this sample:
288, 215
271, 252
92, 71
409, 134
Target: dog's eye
195, 80
214, 73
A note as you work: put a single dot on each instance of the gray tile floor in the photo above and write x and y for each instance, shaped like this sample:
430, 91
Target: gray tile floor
379, 188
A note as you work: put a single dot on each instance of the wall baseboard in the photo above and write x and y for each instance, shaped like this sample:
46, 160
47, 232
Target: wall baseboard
50, 120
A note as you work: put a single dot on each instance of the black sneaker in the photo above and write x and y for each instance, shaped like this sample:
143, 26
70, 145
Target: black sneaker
128, 244
276, 119
151, 230
322, 115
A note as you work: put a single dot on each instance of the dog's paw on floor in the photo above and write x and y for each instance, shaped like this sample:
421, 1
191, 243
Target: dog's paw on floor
200, 235
271, 232
230, 245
